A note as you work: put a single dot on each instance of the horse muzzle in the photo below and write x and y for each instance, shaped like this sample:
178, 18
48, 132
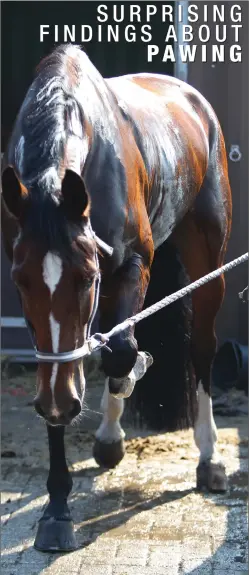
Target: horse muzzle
54, 415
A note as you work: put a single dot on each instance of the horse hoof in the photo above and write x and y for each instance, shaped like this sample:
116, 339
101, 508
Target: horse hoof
108, 454
55, 536
211, 477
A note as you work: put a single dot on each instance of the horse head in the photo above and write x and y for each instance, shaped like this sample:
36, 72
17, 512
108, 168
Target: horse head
54, 267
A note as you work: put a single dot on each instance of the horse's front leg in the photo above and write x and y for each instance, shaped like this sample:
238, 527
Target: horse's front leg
109, 443
122, 298
55, 530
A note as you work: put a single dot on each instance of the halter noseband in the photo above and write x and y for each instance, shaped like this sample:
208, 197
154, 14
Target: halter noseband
88, 347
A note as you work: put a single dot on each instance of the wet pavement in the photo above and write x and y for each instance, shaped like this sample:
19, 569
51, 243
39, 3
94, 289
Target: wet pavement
142, 518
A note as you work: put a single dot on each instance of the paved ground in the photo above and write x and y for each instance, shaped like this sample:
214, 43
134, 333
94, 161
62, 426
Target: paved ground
143, 518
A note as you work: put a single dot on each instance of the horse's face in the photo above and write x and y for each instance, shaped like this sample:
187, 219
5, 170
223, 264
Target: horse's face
57, 298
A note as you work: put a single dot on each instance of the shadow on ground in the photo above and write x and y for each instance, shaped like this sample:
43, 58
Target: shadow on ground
104, 503
237, 531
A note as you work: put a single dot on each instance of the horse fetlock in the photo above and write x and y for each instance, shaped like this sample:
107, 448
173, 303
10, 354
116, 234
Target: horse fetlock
109, 431
205, 436
59, 485
58, 509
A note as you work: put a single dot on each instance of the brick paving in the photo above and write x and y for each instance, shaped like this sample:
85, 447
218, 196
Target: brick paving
143, 518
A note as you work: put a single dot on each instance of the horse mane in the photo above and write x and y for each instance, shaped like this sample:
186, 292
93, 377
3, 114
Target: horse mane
50, 115
68, 87
47, 118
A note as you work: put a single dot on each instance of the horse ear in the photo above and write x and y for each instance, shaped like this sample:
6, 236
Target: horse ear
76, 200
13, 191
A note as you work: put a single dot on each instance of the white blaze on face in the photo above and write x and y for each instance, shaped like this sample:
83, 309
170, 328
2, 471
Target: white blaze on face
52, 272
205, 432
55, 336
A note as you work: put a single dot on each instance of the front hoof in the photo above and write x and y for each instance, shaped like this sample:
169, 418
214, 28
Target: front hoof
55, 536
108, 454
211, 477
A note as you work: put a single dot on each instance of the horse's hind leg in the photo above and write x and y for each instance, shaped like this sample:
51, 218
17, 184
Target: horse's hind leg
109, 443
201, 240
206, 303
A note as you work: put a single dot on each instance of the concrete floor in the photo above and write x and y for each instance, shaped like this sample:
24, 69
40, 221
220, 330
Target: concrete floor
143, 518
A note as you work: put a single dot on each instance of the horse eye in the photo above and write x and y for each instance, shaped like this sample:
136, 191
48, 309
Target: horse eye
84, 284
88, 283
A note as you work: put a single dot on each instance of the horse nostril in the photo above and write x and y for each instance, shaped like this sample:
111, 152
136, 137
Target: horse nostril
75, 409
38, 408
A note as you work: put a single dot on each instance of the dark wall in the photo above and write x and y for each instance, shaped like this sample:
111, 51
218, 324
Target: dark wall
225, 85
22, 50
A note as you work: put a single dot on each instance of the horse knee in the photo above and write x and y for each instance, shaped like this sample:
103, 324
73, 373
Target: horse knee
120, 362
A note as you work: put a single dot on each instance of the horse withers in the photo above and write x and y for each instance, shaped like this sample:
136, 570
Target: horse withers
133, 161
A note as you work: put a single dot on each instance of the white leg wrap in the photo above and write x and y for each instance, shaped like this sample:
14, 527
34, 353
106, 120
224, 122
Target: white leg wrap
205, 432
110, 429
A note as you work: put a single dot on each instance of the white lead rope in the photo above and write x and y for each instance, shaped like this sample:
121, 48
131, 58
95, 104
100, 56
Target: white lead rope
97, 340
171, 298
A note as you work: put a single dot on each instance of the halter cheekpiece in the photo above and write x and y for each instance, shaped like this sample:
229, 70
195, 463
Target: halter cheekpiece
88, 347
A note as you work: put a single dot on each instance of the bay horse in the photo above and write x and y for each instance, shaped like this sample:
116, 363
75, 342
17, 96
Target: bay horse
131, 160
